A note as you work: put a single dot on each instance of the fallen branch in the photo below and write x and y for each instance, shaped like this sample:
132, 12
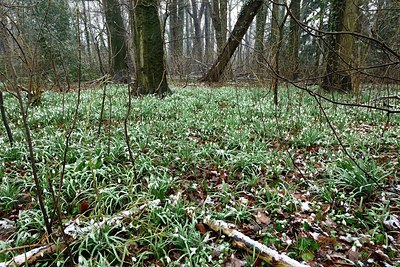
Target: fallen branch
33, 255
397, 97
20, 248
103, 79
242, 241
73, 229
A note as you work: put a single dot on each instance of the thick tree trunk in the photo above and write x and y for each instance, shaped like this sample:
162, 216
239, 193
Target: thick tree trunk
246, 16
150, 71
340, 56
294, 40
259, 42
117, 41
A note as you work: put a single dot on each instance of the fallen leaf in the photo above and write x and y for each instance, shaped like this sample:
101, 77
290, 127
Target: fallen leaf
235, 262
201, 227
262, 218
383, 256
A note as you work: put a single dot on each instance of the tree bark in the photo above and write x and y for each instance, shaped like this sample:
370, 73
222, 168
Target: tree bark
207, 33
246, 16
259, 45
176, 19
340, 54
150, 71
2, 108
294, 40
117, 40
86, 30
275, 45
4, 119
219, 12
197, 16
318, 41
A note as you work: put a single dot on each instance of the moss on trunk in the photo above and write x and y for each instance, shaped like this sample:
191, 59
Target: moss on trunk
150, 68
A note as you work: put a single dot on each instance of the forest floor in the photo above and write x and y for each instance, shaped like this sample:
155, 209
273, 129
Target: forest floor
319, 183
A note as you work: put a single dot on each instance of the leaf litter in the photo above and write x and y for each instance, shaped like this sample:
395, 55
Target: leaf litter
282, 191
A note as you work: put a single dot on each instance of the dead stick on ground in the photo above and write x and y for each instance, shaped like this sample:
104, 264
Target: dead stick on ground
33, 255
242, 241
73, 229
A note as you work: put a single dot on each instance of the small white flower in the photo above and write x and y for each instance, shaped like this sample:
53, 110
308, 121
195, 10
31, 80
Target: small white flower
193, 251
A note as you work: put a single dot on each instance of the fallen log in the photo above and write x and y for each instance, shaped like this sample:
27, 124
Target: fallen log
74, 230
242, 241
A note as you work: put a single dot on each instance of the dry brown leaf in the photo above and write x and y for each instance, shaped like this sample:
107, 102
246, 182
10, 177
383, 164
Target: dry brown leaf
201, 228
262, 218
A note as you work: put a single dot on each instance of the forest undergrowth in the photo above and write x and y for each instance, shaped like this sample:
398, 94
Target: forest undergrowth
322, 189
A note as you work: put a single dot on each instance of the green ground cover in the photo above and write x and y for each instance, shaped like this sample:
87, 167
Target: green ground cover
279, 173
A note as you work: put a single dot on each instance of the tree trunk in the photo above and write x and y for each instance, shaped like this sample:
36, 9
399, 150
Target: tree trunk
176, 20
294, 40
173, 21
2, 108
86, 30
340, 54
150, 71
117, 41
219, 18
259, 42
208, 46
318, 41
275, 47
197, 16
246, 16
4, 119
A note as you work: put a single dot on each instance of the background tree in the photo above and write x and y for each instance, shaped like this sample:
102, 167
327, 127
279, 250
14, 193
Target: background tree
119, 55
46, 34
176, 26
150, 69
294, 38
275, 45
196, 14
259, 45
219, 18
246, 16
3, 35
340, 56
